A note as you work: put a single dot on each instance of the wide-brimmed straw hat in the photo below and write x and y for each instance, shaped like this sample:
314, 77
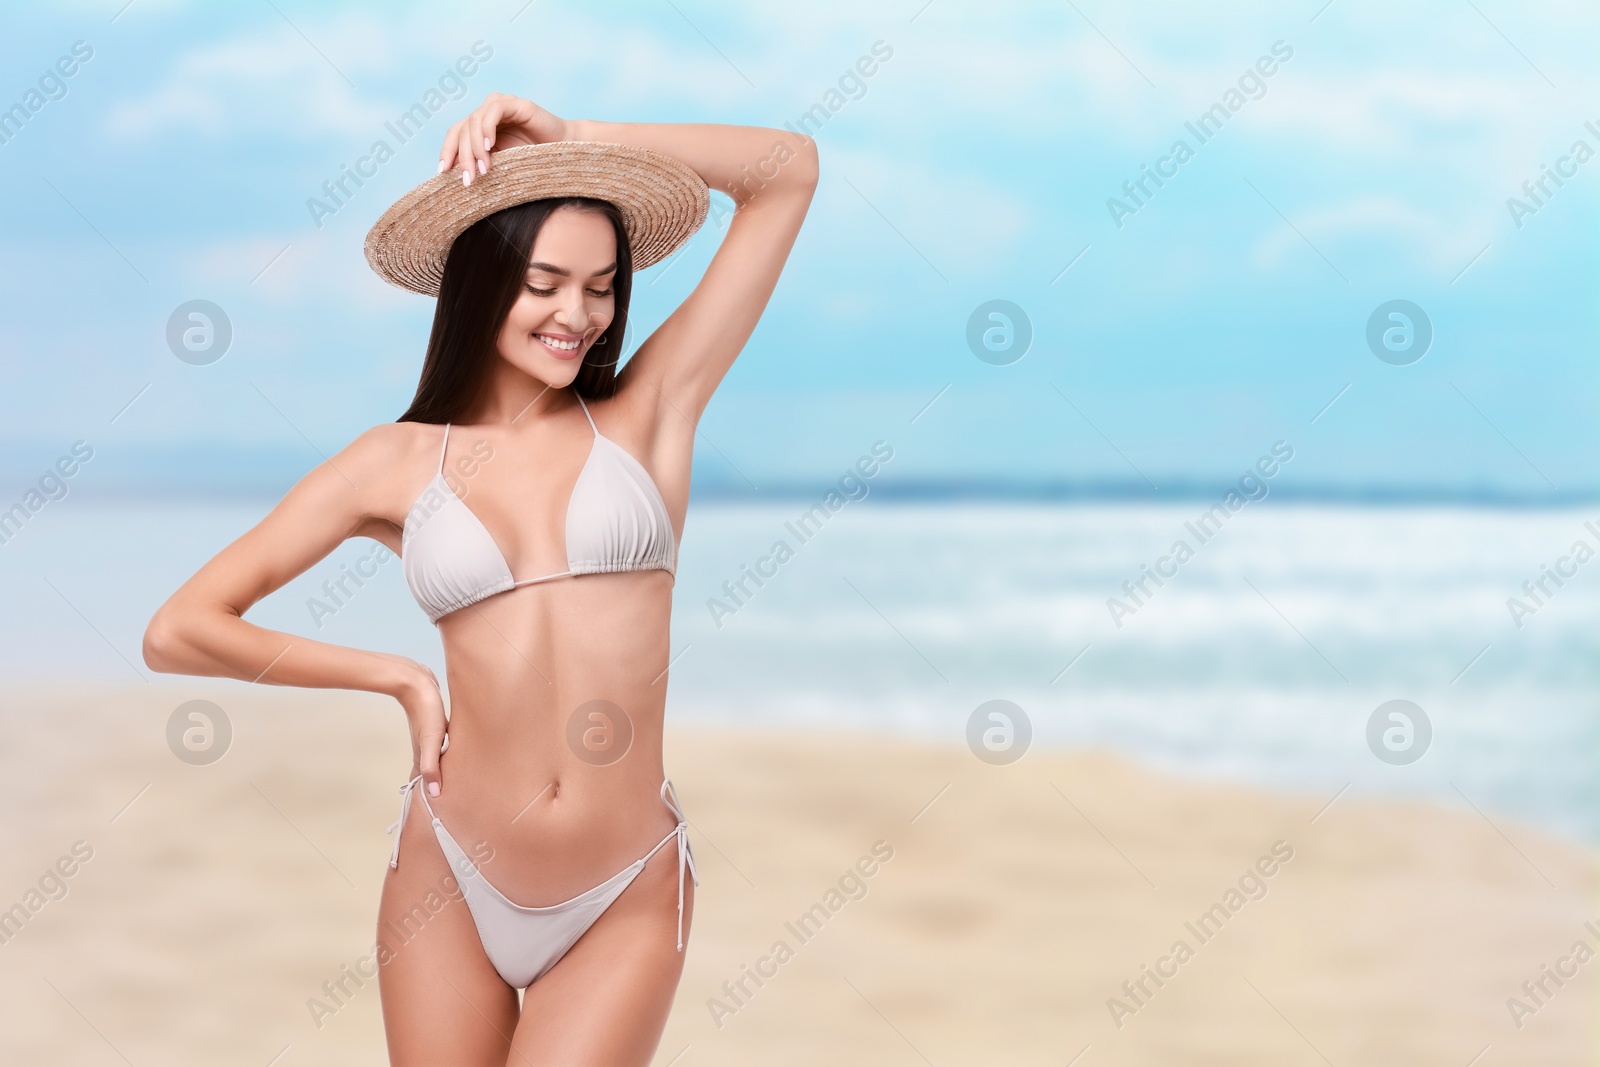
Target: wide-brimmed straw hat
662, 200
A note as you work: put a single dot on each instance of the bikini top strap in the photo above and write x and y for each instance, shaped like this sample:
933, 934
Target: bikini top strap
588, 416
444, 446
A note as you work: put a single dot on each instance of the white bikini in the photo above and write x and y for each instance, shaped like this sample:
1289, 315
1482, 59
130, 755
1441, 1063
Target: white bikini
616, 521
523, 943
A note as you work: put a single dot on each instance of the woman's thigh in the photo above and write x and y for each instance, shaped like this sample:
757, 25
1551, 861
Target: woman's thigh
606, 1001
443, 1001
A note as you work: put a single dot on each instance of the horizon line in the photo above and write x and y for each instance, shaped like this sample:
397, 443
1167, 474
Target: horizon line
970, 490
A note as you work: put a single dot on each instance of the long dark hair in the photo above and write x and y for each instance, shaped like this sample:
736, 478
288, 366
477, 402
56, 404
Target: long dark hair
483, 277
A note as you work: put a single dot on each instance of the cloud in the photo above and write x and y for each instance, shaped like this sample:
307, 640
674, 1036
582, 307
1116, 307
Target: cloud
961, 221
322, 272
1373, 222
288, 81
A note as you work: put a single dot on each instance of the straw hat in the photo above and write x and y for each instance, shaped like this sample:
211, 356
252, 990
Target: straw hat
662, 200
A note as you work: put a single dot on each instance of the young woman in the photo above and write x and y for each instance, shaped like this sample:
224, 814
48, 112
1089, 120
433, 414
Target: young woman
536, 492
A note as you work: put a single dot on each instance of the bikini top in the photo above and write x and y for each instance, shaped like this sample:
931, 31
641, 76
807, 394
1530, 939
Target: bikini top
616, 521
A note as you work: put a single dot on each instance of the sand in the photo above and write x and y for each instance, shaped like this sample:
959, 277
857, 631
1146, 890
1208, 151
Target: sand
1014, 904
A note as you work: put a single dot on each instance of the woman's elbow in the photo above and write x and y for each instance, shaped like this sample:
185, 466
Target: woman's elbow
164, 642
810, 164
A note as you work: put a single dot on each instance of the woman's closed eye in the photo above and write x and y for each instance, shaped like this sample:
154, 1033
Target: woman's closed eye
536, 291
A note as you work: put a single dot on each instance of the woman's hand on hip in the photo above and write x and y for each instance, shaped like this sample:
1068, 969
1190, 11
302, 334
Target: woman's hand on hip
499, 122
424, 706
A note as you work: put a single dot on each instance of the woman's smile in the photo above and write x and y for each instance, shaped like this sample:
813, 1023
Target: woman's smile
561, 345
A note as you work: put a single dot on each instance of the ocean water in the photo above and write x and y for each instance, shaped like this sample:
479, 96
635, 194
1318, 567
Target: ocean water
1261, 660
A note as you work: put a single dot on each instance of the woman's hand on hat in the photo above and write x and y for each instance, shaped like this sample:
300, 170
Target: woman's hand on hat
499, 122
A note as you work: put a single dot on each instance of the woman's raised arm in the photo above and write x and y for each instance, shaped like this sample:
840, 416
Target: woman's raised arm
769, 173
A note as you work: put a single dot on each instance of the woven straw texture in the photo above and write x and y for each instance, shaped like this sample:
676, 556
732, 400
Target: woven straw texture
662, 200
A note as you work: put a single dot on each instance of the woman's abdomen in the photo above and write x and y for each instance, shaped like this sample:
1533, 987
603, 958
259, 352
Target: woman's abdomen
556, 694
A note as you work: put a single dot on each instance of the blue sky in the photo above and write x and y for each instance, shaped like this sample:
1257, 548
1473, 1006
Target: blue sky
1375, 163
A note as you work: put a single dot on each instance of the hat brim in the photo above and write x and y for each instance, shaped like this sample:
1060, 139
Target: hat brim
662, 201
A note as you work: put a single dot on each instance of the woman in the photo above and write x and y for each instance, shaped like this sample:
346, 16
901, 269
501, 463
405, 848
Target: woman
551, 591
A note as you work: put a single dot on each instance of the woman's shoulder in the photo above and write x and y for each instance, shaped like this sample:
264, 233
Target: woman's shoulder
391, 453
392, 441
385, 467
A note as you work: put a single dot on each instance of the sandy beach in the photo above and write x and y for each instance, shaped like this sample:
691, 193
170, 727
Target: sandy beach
932, 908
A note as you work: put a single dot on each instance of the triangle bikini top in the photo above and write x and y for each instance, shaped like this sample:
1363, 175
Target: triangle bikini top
616, 521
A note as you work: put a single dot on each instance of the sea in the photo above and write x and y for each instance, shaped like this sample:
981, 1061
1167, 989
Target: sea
1444, 652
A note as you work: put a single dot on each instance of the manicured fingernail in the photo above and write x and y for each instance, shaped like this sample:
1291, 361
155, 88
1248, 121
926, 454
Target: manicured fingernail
443, 163
466, 176
433, 789
488, 143
483, 166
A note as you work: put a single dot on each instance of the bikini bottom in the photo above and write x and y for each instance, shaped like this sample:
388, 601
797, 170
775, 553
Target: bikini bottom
523, 943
